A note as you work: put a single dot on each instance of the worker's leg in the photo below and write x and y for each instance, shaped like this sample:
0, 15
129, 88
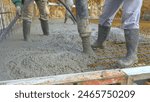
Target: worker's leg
131, 14
109, 11
130, 19
27, 19
66, 18
44, 12
83, 25
67, 14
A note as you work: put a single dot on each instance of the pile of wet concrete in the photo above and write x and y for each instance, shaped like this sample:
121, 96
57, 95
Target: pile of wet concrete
58, 53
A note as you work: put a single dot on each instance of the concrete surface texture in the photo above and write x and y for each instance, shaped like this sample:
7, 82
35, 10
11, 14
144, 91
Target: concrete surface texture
58, 53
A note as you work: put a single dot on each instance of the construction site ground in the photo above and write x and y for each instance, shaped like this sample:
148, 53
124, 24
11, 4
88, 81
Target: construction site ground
61, 51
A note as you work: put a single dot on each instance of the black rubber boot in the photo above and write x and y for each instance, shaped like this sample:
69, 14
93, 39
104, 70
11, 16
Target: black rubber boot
65, 19
87, 46
26, 30
45, 26
103, 32
132, 41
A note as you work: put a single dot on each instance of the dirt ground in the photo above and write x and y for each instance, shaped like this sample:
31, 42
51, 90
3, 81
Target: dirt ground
60, 52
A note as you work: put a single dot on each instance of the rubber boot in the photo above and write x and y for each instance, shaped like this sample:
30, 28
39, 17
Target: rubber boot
65, 19
87, 46
103, 32
45, 26
26, 30
132, 41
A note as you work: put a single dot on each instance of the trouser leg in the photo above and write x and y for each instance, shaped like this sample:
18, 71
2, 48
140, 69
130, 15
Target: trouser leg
28, 12
131, 14
43, 9
130, 20
27, 19
110, 9
44, 12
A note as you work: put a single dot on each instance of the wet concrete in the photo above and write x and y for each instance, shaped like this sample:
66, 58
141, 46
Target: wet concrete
58, 53
113, 51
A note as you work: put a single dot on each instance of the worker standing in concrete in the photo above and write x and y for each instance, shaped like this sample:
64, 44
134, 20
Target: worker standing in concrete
130, 23
28, 13
69, 4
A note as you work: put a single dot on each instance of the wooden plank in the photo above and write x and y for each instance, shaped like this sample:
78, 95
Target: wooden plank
68, 78
147, 83
122, 76
115, 80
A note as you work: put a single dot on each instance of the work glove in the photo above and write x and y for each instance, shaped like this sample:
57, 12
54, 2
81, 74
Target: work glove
18, 10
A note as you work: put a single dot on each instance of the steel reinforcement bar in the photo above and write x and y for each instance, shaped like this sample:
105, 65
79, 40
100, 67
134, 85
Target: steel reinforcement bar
103, 77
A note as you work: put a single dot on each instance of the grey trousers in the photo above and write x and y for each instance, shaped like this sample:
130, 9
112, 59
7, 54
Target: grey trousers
131, 10
43, 9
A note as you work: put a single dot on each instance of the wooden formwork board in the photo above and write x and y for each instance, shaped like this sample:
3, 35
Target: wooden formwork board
69, 78
147, 83
121, 76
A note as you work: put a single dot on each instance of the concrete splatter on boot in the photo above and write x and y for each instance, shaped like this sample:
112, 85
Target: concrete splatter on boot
132, 41
103, 32
45, 26
26, 30
87, 46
